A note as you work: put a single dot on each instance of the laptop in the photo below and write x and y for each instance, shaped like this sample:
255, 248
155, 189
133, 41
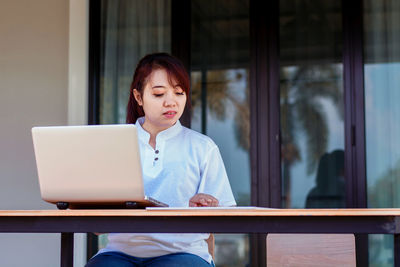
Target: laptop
96, 166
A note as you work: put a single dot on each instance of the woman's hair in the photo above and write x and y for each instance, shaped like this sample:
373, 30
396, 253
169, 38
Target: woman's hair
175, 71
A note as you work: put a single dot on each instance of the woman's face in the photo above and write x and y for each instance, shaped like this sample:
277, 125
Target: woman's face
163, 103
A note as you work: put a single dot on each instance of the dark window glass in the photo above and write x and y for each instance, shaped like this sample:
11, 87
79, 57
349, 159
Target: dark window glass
311, 104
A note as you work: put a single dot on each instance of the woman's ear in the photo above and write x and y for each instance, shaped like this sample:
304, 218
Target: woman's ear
138, 97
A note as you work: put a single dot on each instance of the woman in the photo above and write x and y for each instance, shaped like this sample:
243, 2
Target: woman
180, 167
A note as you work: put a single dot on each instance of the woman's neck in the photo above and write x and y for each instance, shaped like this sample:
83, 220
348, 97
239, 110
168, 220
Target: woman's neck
153, 134
153, 130
152, 141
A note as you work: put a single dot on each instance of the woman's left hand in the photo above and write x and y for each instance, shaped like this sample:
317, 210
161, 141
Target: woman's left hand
203, 200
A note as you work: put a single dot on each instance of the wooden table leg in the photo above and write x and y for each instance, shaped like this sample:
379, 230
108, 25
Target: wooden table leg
67, 249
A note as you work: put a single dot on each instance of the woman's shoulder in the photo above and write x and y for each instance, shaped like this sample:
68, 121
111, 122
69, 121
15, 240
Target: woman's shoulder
198, 139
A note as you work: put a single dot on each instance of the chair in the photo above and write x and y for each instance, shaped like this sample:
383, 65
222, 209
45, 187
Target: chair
301, 250
211, 245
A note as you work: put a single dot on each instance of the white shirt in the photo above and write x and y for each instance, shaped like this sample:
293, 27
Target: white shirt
183, 164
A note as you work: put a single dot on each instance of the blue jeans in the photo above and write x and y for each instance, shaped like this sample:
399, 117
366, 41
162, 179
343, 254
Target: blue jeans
118, 259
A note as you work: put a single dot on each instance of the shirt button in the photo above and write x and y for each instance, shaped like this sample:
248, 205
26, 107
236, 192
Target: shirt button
157, 151
156, 159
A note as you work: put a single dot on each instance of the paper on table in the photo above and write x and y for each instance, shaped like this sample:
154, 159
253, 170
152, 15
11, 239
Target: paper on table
208, 208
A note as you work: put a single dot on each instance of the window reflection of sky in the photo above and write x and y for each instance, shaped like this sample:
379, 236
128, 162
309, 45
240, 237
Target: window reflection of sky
382, 117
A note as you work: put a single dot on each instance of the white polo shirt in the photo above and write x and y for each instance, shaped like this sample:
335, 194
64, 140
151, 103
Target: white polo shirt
183, 164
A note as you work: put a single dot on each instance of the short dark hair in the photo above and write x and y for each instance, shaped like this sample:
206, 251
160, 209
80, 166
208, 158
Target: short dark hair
175, 70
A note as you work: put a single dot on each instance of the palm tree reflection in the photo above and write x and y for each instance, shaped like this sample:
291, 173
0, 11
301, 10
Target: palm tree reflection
301, 90
227, 92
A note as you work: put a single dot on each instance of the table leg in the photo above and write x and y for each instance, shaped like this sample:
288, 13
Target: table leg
397, 250
362, 249
67, 249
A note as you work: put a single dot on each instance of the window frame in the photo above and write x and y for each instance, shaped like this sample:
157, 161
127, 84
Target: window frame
264, 99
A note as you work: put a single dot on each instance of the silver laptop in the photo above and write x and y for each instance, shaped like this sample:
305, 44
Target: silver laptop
90, 166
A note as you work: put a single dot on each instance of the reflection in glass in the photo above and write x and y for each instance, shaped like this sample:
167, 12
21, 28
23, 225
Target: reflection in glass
227, 122
220, 97
382, 115
311, 104
329, 191
130, 29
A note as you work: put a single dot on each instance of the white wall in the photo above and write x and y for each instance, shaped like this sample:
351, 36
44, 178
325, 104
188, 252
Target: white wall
78, 62
34, 90
77, 87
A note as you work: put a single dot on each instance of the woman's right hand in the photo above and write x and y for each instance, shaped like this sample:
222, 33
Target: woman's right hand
203, 200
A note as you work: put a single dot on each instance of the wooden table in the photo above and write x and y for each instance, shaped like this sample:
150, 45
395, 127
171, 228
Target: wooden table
197, 220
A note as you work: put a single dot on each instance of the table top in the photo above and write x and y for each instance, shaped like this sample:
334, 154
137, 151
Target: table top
200, 220
202, 212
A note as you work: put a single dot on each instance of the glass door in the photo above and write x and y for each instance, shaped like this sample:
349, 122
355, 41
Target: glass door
220, 100
382, 115
311, 104
129, 29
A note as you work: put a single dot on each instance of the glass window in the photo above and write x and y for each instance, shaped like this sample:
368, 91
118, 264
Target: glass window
382, 115
311, 104
130, 29
220, 100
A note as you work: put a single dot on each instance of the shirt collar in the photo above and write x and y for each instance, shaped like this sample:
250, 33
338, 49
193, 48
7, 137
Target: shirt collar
144, 136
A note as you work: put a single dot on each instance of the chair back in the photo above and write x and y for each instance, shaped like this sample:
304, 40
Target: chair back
309, 250
211, 245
